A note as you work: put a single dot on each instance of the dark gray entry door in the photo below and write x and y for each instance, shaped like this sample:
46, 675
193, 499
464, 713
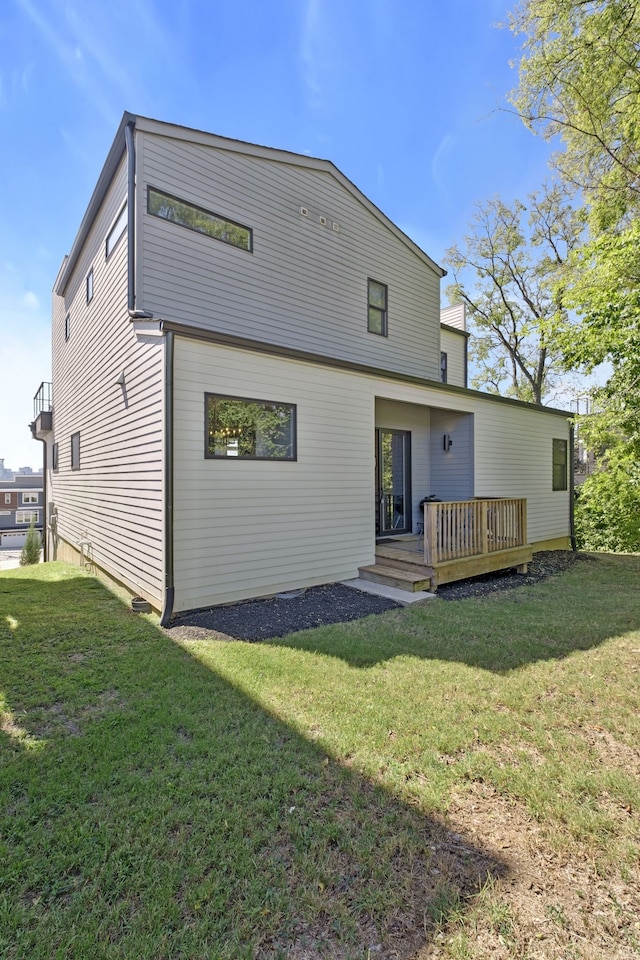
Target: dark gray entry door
393, 481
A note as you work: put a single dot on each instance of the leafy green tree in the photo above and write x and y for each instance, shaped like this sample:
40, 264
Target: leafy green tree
32, 546
579, 80
510, 276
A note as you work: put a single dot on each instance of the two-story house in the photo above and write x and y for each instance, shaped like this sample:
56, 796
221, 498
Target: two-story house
21, 504
252, 382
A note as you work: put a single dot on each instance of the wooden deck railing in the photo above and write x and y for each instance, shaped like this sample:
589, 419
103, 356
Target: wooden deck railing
467, 528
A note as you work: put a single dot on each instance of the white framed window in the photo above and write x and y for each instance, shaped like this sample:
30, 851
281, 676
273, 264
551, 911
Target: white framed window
29, 498
7, 498
27, 516
116, 232
75, 451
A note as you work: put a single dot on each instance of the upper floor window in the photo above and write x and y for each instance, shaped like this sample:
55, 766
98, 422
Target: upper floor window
67, 326
377, 301
7, 498
202, 221
559, 465
249, 429
443, 367
116, 231
90, 286
29, 497
75, 451
54, 457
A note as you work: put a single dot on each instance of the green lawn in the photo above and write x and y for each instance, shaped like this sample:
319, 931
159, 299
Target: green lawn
459, 779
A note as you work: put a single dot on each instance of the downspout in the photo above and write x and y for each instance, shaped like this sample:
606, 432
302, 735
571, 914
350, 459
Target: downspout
572, 496
44, 498
168, 480
131, 226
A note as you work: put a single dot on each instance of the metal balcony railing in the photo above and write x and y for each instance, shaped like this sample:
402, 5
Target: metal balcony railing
43, 400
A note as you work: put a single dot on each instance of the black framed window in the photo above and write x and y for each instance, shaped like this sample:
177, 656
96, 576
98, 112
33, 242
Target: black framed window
54, 457
246, 429
75, 451
67, 326
559, 465
443, 367
377, 295
90, 286
116, 232
187, 215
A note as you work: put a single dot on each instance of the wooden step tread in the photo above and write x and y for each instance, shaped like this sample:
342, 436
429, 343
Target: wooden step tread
395, 577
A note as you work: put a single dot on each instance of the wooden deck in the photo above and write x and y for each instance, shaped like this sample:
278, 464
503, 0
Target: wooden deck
465, 538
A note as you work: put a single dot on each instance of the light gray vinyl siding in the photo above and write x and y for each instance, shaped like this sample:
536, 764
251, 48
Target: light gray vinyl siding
304, 285
251, 528
454, 316
114, 500
455, 346
451, 475
514, 453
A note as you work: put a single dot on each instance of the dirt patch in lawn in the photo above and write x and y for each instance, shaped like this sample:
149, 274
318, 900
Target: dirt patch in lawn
548, 905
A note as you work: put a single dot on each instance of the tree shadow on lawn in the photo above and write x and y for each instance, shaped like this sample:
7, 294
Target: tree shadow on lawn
150, 809
578, 609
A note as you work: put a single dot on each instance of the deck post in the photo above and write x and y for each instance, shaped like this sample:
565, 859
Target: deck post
484, 526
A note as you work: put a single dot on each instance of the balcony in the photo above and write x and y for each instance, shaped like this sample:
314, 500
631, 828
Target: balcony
42, 424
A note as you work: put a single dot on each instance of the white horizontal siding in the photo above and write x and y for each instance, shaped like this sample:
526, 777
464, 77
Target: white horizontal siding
513, 450
304, 286
115, 499
247, 528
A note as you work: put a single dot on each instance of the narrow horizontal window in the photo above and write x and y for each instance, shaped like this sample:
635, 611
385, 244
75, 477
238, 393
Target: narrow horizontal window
75, 451
559, 465
27, 516
202, 221
249, 429
377, 305
116, 231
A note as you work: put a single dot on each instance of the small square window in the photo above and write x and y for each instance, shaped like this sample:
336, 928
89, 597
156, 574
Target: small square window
90, 286
67, 326
443, 367
75, 451
377, 301
559, 465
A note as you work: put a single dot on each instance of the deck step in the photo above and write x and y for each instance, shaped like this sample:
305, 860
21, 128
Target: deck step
403, 579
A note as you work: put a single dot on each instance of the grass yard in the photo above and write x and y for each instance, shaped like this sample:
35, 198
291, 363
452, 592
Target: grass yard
458, 780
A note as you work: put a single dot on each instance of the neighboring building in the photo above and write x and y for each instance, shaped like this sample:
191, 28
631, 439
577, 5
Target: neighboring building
21, 503
5, 473
247, 380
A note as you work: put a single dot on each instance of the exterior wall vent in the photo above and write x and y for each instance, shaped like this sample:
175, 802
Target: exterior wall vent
336, 227
304, 212
323, 221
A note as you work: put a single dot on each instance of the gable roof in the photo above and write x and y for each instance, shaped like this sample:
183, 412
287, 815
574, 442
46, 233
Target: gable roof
189, 135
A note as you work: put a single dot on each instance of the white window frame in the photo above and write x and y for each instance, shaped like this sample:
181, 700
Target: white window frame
27, 516
7, 498
29, 498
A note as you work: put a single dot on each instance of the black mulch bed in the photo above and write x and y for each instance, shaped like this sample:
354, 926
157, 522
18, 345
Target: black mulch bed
277, 616
335, 603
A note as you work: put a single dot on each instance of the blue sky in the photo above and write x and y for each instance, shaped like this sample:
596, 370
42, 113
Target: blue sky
406, 97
